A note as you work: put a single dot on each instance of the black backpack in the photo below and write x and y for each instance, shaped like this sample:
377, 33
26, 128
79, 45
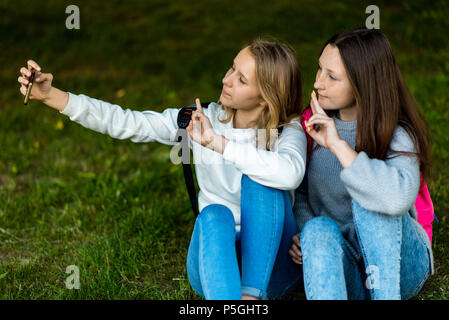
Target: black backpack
184, 117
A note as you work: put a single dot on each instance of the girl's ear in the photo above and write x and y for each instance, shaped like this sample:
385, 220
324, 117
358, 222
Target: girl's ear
263, 104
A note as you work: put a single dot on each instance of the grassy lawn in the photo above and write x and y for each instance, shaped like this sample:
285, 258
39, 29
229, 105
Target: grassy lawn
120, 211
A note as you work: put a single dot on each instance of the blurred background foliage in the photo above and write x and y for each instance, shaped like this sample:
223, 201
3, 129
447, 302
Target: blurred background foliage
119, 210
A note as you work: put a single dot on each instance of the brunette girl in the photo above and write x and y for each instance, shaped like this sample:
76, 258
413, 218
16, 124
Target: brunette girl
359, 236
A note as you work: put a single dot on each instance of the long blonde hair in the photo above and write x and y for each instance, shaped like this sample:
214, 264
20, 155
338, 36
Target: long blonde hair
279, 80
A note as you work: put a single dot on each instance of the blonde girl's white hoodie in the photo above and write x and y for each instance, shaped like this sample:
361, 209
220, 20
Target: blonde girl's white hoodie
218, 175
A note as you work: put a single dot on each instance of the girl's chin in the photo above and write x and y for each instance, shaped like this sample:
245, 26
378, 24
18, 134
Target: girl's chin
326, 106
225, 99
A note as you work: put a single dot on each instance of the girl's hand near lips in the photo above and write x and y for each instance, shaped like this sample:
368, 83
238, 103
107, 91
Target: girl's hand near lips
327, 135
201, 131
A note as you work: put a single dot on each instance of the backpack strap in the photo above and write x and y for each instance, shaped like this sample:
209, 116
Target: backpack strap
424, 208
307, 113
184, 117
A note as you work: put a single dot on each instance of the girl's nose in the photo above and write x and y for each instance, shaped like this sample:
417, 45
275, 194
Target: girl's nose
227, 81
319, 84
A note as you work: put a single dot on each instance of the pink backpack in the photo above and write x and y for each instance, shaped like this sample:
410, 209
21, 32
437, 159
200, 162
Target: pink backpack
423, 203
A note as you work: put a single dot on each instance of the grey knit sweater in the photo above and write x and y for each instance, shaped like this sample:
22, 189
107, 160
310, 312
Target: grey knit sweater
389, 186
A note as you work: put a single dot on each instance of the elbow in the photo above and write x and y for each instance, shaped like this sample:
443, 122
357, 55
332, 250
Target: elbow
298, 180
401, 202
401, 207
295, 175
293, 181
398, 205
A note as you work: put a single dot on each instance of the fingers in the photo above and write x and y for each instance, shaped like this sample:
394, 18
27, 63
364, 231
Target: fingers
23, 90
25, 72
33, 65
295, 239
196, 121
295, 257
297, 261
295, 250
23, 81
312, 103
316, 108
189, 129
316, 121
39, 77
199, 117
199, 108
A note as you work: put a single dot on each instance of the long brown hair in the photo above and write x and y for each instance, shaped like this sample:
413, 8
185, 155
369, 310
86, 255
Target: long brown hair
279, 79
382, 97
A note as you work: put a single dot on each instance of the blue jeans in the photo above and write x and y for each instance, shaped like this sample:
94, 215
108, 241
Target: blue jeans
223, 264
395, 261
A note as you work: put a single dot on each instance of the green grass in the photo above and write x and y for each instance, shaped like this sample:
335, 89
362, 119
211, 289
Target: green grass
118, 210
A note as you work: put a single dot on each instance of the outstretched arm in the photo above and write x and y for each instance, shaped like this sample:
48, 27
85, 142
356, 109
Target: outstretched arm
101, 116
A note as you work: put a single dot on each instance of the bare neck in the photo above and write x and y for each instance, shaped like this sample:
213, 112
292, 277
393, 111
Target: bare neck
245, 120
348, 113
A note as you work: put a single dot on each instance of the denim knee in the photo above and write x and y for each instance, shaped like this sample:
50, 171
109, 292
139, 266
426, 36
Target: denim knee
215, 213
256, 197
319, 229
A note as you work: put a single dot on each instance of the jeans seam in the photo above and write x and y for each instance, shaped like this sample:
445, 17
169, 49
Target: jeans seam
189, 274
275, 218
272, 235
362, 248
200, 255
307, 286
418, 288
266, 278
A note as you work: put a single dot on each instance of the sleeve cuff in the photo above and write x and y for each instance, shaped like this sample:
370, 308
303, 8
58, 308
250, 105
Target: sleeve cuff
230, 152
71, 105
356, 167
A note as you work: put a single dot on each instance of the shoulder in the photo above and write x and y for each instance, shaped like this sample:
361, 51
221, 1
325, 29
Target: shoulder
213, 110
294, 126
402, 141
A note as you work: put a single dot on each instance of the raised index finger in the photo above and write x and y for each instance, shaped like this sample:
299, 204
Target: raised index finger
34, 65
198, 105
316, 108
